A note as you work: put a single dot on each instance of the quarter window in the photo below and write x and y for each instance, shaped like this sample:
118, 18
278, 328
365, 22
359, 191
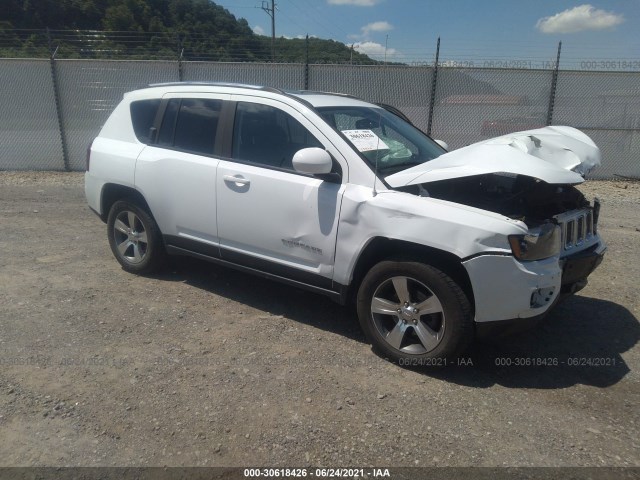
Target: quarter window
143, 114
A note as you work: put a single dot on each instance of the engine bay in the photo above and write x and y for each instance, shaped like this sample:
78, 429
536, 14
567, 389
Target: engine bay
516, 196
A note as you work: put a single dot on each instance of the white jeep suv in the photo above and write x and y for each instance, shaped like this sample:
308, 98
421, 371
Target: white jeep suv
346, 198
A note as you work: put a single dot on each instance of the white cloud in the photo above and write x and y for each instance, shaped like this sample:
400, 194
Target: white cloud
357, 3
374, 50
376, 27
577, 19
258, 30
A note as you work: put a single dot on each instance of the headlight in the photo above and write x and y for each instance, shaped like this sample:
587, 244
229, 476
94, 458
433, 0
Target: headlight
542, 242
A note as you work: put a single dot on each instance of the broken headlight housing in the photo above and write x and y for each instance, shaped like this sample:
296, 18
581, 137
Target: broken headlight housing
541, 242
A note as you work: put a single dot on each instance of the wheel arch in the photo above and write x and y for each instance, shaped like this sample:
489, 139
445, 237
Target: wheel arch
381, 248
112, 192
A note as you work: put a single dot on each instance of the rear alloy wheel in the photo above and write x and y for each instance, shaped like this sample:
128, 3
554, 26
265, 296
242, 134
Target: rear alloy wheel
134, 238
412, 312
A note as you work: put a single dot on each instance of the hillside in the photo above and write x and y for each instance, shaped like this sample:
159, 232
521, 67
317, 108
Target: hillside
152, 29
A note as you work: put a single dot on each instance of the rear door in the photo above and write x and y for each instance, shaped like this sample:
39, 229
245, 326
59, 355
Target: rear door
177, 173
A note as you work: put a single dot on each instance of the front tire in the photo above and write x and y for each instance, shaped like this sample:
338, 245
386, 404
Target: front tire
135, 238
413, 313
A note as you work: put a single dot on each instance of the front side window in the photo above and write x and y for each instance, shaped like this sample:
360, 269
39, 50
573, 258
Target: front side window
268, 136
190, 124
387, 142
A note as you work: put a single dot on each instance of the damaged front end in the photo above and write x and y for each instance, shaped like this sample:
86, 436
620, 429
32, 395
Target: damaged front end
519, 197
561, 221
529, 177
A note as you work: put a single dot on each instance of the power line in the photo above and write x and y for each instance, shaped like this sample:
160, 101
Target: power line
272, 13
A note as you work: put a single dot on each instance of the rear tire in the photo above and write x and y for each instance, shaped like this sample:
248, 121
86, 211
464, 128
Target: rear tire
413, 313
135, 238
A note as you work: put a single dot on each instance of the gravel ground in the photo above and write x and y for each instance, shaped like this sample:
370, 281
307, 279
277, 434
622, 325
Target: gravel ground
206, 366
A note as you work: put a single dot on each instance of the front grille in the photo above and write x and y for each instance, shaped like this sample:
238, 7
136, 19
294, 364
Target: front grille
578, 227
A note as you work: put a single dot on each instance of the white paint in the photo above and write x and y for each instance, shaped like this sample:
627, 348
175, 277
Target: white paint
557, 155
312, 160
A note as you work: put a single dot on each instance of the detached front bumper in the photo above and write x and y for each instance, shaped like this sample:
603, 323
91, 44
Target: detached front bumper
506, 289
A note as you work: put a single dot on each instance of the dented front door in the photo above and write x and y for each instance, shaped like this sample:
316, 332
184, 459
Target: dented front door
282, 217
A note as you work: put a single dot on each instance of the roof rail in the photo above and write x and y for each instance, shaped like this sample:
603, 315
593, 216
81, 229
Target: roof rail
216, 84
293, 94
236, 85
337, 94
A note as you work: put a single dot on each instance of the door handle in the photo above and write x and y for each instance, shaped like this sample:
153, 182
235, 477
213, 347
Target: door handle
237, 180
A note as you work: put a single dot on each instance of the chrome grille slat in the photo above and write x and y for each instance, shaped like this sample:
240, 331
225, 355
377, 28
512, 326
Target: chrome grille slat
577, 227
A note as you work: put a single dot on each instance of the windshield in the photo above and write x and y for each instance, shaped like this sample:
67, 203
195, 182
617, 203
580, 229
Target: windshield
386, 141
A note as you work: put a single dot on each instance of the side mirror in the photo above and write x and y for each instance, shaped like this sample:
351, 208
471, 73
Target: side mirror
443, 144
315, 161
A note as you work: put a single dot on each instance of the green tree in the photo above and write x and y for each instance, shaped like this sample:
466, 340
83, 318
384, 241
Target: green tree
205, 31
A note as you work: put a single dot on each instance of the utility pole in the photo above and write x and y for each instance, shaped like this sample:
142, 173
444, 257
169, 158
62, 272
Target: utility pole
271, 11
352, 47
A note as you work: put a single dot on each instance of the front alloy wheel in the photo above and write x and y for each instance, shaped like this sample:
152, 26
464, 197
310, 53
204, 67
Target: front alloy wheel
413, 311
408, 315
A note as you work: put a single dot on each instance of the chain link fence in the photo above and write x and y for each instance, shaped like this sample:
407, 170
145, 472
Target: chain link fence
407, 88
52, 109
606, 106
287, 76
89, 90
29, 127
474, 104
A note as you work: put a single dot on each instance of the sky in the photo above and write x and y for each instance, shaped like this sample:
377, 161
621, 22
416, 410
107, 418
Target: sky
603, 34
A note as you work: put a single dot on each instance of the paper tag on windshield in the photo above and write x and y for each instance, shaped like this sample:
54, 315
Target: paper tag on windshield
365, 140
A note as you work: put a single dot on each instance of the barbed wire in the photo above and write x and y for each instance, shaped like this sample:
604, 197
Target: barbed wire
195, 46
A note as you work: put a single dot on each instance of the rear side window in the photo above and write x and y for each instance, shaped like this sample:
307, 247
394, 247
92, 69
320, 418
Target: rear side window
143, 114
190, 124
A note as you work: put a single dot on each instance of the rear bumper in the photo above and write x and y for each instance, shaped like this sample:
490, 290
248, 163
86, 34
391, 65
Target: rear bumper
93, 192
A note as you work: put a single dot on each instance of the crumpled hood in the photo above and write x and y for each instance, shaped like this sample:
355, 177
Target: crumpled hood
557, 155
